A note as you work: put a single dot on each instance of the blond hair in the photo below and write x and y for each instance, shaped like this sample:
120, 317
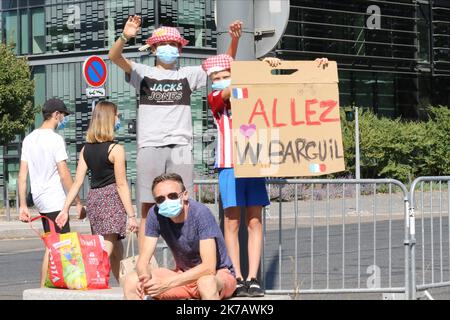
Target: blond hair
101, 127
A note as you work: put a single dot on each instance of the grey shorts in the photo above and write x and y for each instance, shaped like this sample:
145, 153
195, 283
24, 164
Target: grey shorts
154, 161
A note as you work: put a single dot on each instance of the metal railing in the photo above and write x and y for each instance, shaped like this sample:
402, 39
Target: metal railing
316, 242
430, 234
319, 237
320, 250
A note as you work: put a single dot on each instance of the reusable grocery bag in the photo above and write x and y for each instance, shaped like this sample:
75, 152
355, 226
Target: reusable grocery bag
76, 261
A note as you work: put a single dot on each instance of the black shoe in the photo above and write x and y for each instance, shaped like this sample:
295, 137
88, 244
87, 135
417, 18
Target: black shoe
254, 289
241, 288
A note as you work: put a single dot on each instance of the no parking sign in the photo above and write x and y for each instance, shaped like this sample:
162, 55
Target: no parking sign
95, 74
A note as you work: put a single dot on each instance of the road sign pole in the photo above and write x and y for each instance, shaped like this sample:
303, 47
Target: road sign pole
227, 12
357, 158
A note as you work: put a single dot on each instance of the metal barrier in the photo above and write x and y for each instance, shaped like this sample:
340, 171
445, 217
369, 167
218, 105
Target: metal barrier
311, 248
431, 267
321, 236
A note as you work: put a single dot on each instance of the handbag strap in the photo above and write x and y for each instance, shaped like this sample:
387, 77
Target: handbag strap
50, 223
130, 243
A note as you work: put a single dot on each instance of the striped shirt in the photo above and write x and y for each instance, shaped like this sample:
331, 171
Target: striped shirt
222, 116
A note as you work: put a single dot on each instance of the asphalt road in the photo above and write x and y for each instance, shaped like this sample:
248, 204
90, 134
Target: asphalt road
20, 260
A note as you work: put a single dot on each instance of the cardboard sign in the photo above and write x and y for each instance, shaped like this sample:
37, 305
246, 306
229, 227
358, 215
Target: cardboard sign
286, 120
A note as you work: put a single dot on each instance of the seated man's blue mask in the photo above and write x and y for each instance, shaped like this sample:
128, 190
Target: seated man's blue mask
170, 208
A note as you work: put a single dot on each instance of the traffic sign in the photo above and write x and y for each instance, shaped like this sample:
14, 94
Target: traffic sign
271, 18
94, 71
95, 92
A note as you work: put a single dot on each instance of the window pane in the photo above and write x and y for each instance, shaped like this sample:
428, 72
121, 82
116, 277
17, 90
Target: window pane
10, 29
8, 4
24, 30
37, 2
39, 90
194, 18
38, 22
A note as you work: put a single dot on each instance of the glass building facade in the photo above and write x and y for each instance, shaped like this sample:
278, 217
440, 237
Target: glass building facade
395, 70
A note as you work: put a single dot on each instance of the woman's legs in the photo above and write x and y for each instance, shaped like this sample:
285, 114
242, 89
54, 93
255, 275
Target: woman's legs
114, 248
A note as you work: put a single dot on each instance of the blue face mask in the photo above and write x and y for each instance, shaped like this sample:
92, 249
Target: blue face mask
221, 84
167, 54
117, 125
170, 208
63, 123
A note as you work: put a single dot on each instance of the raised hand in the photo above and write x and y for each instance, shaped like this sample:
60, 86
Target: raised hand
235, 29
132, 27
322, 62
273, 62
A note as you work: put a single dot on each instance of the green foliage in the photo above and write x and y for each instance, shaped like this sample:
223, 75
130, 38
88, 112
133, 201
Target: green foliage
16, 95
393, 148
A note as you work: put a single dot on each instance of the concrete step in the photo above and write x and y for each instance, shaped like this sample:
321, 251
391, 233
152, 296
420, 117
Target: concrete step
114, 293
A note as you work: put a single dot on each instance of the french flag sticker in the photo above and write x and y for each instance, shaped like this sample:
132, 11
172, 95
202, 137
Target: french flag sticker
240, 93
317, 168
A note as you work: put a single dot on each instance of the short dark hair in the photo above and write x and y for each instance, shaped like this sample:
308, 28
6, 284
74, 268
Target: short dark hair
168, 177
47, 115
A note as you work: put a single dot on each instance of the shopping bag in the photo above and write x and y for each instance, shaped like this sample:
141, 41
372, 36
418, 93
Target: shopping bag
128, 264
76, 261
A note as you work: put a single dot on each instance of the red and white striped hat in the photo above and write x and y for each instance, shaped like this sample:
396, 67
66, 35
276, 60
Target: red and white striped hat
163, 34
217, 63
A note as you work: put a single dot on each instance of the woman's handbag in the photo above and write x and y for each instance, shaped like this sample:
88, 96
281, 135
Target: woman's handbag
128, 264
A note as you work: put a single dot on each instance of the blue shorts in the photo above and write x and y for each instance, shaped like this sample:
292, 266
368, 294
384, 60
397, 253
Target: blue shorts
241, 192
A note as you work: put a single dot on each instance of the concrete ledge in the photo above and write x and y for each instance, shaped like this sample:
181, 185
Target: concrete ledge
114, 293
266, 297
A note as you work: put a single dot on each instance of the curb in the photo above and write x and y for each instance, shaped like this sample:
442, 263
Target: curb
115, 293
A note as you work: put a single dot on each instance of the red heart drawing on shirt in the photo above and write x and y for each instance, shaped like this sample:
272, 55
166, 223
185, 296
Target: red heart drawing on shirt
248, 130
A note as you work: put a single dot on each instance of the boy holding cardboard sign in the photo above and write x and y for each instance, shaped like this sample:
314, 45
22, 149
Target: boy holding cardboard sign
237, 192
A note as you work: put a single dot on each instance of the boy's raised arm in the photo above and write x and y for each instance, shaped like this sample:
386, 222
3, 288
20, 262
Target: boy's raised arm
235, 31
129, 31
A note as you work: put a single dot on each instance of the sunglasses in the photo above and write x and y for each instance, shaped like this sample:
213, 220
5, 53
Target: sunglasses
171, 196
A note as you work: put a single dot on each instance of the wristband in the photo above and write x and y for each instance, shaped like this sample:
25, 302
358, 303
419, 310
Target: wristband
124, 39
